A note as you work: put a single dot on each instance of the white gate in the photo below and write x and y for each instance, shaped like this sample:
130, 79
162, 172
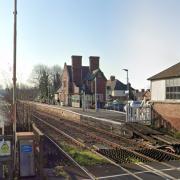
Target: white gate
138, 114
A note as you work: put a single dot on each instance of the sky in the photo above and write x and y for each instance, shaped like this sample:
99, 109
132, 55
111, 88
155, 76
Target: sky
139, 35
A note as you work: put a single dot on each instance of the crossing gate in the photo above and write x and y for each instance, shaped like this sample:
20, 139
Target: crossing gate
139, 114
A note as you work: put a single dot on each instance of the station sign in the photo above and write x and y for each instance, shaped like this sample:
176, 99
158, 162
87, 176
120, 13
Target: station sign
26, 148
5, 148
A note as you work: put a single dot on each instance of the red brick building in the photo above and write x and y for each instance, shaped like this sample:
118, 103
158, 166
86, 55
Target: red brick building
78, 79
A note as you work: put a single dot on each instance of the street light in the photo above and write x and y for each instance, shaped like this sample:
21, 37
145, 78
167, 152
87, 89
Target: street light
127, 83
14, 81
95, 98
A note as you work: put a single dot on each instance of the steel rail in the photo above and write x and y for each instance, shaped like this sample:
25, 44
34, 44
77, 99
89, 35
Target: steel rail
71, 159
81, 144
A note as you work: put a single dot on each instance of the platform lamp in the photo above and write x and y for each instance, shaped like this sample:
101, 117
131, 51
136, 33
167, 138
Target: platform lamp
127, 83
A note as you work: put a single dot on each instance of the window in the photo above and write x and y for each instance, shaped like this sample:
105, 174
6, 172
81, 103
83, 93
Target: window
173, 88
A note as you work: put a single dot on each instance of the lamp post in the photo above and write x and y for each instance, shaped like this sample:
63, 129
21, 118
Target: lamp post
14, 82
95, 98
127, 83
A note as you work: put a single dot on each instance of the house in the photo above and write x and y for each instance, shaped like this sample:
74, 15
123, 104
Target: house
143, 95
115, 89
165, 95
78, 80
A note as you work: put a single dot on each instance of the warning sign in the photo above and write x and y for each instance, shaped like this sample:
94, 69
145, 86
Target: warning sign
5, 148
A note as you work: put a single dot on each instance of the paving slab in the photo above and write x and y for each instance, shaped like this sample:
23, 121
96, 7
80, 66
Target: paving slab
101, 113
105, 170
174, 163
133, 168
173, 173
158, 165
149, 176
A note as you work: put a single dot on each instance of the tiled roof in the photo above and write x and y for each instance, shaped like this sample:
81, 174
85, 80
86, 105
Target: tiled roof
91, 76
172, 72
116, 85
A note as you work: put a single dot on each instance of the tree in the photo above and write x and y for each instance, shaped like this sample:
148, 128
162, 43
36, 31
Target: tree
37, 73
47, 80
44, 86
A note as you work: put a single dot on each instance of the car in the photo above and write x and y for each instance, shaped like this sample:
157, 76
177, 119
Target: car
115, 106
136, 104
133, 104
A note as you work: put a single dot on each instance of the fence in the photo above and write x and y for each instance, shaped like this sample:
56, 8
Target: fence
139, 114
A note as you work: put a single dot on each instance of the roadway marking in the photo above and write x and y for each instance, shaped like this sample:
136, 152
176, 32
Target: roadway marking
156, 171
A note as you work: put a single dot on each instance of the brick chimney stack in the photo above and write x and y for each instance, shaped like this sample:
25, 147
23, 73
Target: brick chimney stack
93, 63
142, 90
76, 69
112, 78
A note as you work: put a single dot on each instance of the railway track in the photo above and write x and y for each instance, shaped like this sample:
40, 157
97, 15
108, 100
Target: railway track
114, 156
53, 133
128, 143
84, 172
90, 138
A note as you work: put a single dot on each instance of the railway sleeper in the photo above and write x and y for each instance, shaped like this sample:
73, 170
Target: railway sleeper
121, 156
157, 154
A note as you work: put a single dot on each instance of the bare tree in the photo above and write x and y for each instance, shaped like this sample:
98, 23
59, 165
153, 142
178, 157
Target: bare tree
47, 80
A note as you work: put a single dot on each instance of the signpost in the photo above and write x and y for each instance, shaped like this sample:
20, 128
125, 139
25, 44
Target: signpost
6, 159
5, 148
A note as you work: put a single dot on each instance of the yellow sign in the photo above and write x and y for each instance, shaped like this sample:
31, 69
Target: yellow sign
5, 148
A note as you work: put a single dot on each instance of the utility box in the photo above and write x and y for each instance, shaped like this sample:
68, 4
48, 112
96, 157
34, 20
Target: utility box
26, 153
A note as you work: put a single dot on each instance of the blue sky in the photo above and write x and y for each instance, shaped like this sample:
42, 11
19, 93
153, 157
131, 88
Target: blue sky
140, 35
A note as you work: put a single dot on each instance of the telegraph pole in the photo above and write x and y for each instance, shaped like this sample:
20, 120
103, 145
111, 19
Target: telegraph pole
14, 82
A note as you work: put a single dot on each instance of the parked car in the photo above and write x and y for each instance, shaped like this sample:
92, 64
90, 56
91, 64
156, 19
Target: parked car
114, 106
133, 104
136, 104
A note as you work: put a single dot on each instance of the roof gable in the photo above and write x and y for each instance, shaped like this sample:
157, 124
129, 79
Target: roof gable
171, 72
116, 85
91, 76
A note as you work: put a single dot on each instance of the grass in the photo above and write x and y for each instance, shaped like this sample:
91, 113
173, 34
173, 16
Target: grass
177, 135
59, 171
133, 160
82, 156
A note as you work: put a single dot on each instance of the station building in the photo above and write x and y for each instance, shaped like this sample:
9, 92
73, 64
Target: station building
78, 80
165, 95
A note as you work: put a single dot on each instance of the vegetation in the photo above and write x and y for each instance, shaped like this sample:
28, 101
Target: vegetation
47, 80
59, 171
133, 160
177, 135
82, 156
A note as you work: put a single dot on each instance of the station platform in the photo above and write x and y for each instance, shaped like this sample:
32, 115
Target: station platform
100, 113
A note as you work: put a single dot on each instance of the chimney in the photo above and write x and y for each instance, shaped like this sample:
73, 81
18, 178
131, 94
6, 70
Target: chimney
76, 69
112, 78
142, 90
93, 63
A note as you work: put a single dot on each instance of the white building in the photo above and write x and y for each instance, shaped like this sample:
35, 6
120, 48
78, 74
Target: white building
165, 95
165, 86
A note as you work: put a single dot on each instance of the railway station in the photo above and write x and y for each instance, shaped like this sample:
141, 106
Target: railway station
71, 122
68, 142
